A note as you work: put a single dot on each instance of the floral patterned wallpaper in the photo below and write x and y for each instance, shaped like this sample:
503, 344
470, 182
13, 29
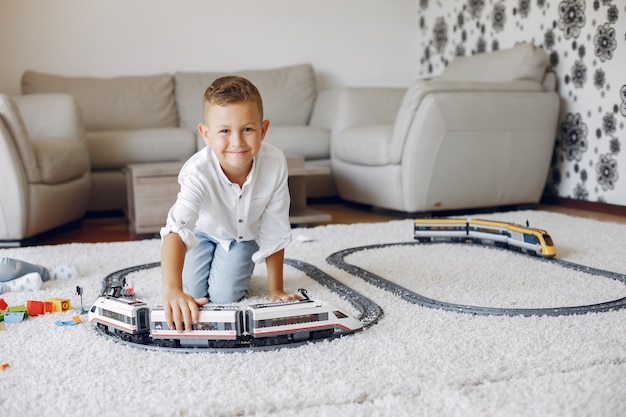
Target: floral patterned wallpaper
586, 42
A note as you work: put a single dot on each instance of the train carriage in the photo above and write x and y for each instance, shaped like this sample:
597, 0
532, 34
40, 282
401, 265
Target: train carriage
531, 240
120, 315
291, 321
426, 230
488, 231
216, 323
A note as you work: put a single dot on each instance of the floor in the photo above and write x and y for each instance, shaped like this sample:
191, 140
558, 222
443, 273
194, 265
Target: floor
115, 227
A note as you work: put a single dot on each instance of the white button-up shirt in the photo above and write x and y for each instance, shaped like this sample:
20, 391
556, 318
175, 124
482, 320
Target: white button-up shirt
210, 203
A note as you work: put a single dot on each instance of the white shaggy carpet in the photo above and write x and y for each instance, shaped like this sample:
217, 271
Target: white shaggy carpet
416, 361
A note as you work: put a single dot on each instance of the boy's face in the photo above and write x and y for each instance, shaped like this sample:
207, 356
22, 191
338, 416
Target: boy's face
234, 132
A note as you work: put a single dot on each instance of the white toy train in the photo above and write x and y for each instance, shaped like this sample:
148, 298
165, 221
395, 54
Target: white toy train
510, 235
223, 326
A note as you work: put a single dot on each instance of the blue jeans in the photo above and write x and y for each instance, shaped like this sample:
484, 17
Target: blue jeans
222, 276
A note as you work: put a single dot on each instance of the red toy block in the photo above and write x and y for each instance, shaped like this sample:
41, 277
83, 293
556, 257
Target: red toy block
35, 308
3, 304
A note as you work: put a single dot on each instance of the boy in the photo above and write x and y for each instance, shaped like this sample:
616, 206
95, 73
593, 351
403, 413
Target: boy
232, 210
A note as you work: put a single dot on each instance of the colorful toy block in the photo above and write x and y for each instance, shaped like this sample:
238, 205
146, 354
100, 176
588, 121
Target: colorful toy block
35, 307
3, 304
12, 318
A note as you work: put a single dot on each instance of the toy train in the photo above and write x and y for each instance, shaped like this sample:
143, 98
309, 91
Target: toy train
510, 235
223, 326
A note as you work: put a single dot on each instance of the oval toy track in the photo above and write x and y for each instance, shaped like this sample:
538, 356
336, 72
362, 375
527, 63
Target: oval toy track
337, 259
369, 311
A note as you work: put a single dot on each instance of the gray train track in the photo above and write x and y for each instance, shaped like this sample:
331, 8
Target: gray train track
338, 259
369, 311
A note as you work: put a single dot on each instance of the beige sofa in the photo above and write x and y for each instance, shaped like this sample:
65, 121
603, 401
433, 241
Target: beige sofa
153, 118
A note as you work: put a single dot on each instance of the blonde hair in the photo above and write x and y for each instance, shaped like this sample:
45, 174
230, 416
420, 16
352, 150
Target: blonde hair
231, 89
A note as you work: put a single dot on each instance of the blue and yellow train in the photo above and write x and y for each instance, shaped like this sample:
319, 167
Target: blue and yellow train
510, 235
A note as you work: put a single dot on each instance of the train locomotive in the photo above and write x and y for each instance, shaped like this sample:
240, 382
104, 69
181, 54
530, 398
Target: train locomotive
513, 236
223, 326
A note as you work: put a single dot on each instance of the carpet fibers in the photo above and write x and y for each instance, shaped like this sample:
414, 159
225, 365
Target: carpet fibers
416, 361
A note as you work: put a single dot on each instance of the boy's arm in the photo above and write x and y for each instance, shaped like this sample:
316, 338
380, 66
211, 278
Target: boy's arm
181, 310
274, 265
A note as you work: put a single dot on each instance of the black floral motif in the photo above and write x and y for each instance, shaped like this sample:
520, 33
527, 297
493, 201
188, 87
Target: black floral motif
579, 73
599, 78
524, 8
573, 137
499, 17
475, 7
580, 193
607, 172
615, 146
481, 46
612, 14
440, 34
548, 39
622, 94
605, 42
571, 17
609, 123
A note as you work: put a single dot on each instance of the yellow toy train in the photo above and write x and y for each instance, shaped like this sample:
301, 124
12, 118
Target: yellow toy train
488, 232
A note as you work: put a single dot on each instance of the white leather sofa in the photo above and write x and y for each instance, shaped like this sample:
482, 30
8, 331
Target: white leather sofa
44, 165
481, 135
154, 118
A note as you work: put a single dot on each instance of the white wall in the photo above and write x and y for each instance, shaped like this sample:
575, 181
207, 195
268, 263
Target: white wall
349, 42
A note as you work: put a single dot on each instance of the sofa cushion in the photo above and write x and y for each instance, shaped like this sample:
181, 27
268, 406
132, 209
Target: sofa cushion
364, 145
288, 93
112, 150
522, 62
130, 102
60, 160
310, 142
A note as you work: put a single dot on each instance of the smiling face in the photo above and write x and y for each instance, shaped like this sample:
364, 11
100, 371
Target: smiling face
234, 132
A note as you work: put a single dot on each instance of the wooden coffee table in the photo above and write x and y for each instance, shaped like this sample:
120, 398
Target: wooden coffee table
152, 190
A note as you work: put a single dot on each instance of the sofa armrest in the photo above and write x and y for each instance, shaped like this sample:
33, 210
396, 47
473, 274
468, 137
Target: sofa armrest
13, 204
470, 149
341, 108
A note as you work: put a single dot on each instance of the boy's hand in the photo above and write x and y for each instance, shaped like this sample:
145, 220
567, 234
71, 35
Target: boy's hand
181, 310
283, 296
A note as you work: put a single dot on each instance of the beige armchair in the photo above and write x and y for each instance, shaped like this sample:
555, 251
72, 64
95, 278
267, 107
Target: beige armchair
44, 165
481, 135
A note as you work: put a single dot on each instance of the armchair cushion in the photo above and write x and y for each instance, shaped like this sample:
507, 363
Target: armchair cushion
60, 160
523, 62
364, 145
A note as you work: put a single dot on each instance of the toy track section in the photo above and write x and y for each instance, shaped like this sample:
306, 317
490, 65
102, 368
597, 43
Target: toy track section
338, 259
369, 311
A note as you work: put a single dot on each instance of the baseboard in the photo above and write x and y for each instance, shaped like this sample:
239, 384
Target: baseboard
34, 240
592, 206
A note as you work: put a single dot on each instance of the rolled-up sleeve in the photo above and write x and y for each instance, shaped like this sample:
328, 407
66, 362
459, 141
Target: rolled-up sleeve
183, 215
